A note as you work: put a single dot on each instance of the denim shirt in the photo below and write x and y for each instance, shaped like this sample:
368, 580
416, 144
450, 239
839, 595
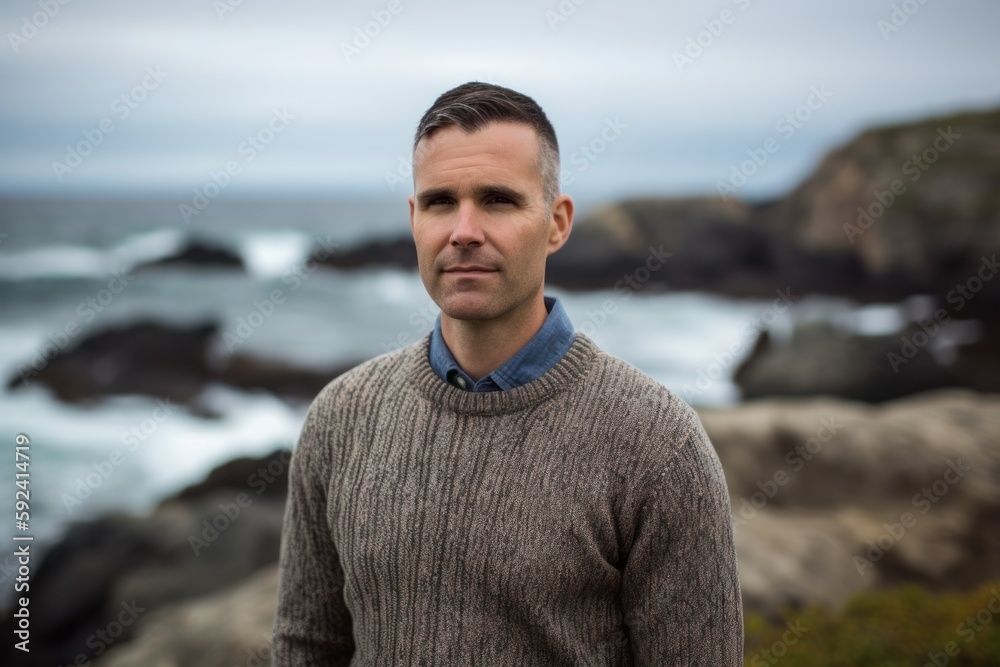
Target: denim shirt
538, 355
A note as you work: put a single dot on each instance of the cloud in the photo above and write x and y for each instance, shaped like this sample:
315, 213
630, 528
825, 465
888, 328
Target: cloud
356, 112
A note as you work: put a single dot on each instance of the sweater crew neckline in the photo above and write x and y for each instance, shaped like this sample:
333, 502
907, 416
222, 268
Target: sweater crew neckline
570, 369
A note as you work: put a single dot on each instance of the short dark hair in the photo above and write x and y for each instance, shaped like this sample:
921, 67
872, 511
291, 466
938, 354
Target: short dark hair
474, 105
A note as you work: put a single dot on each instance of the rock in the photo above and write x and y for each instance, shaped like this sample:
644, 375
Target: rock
928, 235
167, 362
267, 477
597, 253
253, 373
199, 255
978, 362
831, 497
207, 537
400, 253
230, 627
821, 359
145, 358
712, 246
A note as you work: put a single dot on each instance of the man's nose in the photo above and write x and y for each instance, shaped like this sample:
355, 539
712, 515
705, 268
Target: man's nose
467, 229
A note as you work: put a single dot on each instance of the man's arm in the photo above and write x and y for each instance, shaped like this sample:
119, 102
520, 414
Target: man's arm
680, 590
312, 625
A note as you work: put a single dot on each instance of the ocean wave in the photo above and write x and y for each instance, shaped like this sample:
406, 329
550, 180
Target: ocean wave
79, 261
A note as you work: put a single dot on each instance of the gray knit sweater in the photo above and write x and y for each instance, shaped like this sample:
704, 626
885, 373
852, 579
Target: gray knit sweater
580, 519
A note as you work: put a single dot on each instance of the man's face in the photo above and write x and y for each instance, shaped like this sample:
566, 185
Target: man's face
479, 202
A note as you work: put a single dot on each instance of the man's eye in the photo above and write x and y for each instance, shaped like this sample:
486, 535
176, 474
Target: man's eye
437, 201
500, 200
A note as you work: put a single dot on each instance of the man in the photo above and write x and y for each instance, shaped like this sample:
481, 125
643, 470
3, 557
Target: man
502, 492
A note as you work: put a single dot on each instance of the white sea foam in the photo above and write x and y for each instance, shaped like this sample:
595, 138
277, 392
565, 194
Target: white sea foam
79, 261
272, 254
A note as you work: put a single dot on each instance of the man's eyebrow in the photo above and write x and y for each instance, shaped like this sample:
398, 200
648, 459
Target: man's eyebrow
481, 192
432, 194
485, 191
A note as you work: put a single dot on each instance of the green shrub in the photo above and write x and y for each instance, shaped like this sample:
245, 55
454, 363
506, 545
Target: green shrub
906, 627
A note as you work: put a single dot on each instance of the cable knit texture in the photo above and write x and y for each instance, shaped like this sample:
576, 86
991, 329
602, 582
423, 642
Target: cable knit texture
579, 519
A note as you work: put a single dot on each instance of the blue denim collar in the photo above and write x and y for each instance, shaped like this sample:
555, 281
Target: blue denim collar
538, 355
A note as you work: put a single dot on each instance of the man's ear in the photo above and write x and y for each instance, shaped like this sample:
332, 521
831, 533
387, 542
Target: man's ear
411, 213
561, 219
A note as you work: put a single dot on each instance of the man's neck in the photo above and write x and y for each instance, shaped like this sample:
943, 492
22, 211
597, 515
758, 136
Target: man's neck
482, 346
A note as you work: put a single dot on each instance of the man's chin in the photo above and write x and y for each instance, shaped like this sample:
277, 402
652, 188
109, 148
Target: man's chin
469, 306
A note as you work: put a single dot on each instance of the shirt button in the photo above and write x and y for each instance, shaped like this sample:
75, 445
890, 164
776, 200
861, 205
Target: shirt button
460, 381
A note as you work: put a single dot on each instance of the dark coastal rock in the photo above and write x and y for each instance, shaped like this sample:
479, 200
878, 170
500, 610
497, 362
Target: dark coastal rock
145, 358
199, 255
401, 253
710, 243
915, 205
268, 477
211, 535
978, 362
165, 361
277, 377
821, 359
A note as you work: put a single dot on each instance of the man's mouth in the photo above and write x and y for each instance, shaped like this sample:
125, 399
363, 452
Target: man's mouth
470, 269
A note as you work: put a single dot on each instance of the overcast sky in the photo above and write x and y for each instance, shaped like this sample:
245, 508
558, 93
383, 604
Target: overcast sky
671, 125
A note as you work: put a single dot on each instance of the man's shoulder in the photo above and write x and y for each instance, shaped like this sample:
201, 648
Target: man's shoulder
638, 402
372, 377
618, 379
654, 429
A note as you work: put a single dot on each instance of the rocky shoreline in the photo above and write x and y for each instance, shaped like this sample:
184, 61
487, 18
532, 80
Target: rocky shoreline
155, 359
830, 497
